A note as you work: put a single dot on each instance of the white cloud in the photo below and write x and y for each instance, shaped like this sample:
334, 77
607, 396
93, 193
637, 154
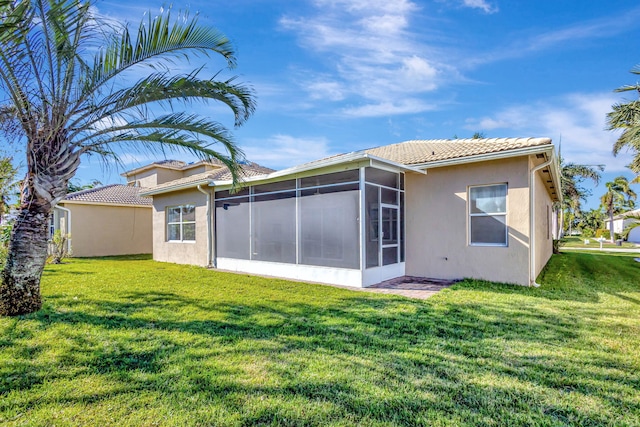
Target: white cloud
577, 121
390, 108
331, 90
485, 6
282, 151
384, 6
372, 53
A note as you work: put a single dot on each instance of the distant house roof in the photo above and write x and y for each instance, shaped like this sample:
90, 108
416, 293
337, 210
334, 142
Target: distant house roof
114, 194
248, 170
630, 214
172, 164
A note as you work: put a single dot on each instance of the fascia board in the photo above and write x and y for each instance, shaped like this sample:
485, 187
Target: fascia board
120, 205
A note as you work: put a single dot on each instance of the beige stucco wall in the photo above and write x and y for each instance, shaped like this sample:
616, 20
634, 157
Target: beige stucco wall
542, 230
199, 169
180, 252
153, 177
101, 230
437, 223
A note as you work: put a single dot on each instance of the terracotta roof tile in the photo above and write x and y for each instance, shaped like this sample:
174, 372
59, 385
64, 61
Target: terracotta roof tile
111, 194
425, 151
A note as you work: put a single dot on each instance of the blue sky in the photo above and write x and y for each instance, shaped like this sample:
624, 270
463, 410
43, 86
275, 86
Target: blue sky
335, 76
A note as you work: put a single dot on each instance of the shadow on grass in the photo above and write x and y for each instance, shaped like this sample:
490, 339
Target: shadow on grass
579, 277
365, 359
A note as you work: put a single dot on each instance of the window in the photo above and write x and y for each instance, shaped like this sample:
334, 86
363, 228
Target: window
488, 215
181, 223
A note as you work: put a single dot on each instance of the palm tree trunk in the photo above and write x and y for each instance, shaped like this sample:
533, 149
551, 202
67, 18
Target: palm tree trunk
611, 225
20, 288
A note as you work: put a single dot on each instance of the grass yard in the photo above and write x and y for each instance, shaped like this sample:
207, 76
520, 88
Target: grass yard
578, 242
131, 342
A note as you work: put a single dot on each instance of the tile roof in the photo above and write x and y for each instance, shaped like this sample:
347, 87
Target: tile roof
425, 151
416, 152
222, 174
172, 164
111, 194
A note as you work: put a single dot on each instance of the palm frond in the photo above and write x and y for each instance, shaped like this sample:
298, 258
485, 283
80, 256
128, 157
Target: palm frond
160, 38
162, 89
159, 140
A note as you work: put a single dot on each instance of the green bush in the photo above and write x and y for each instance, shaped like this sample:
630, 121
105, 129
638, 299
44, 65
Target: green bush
587, 232
603, 232
5, 236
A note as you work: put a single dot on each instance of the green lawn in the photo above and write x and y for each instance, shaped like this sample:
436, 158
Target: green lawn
134, 342
578, 242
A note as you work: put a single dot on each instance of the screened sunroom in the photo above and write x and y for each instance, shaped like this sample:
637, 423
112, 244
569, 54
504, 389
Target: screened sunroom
342, 227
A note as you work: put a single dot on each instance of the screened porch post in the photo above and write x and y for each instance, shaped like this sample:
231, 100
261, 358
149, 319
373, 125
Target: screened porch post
380, 228
298, 243
363, 223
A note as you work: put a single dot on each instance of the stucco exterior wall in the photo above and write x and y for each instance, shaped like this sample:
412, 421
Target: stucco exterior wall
437, 223
146, 179
198, 169
194, 253
100, 230
542, 229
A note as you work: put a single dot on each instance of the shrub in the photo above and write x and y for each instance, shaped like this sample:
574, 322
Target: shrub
58, 247
587, 232
603, 232
5, 236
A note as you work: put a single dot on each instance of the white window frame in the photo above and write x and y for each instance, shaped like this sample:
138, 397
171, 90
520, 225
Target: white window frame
181, 222
488, 214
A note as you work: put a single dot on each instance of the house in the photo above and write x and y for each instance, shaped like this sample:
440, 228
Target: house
449, 209
622, 221
116, 219
108, 220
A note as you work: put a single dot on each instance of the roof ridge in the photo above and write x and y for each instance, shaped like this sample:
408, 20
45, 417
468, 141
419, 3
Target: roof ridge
471, 140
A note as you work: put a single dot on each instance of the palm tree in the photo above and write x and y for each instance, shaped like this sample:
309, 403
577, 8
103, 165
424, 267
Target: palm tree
8, 184
63, 72
571, 176
626, 116
619, 197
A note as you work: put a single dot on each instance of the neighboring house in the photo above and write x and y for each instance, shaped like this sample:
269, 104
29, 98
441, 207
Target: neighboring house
445, 209
109, 220
623, 220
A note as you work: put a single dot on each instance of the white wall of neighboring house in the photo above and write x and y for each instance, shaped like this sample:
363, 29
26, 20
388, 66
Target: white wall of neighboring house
620, 222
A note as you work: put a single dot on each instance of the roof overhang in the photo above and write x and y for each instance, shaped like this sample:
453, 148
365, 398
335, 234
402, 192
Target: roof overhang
364, 159
548, 150
486, 156
122, 205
